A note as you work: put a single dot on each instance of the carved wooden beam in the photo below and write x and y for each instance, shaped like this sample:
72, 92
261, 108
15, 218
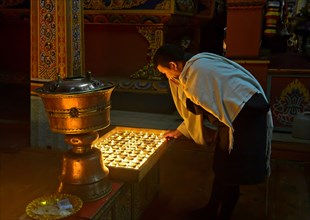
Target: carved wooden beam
57, 47
154, 36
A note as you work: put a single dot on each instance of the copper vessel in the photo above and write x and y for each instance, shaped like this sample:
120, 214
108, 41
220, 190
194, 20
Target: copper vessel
78, 107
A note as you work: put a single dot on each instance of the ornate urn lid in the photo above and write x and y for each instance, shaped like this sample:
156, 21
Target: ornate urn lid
74, 85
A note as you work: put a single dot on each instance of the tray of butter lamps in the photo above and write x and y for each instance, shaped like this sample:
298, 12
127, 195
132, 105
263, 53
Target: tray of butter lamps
130, 153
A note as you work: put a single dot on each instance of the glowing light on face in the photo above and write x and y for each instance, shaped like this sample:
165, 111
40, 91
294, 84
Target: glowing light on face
171, 73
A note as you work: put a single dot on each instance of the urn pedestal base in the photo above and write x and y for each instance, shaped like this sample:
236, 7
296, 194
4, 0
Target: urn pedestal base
83, 171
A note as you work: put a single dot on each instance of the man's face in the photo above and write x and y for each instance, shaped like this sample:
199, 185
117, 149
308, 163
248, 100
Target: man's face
173, 71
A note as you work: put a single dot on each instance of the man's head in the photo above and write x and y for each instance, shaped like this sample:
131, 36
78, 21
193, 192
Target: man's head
169, 59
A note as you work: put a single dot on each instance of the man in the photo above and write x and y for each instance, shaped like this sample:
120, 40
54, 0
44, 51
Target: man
208, 88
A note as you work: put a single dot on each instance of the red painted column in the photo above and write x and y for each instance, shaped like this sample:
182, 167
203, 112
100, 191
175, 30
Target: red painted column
244, 28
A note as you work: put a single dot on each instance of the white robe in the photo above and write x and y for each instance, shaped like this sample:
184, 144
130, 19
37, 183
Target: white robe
221, 87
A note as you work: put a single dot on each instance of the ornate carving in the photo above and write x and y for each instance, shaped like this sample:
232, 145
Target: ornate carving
61, 40
76, 37
147, 72
183, 6
34, 35
133, 19
295, 98
154, 35
56, 39
159, 84
112, 4
165, 5
47, 39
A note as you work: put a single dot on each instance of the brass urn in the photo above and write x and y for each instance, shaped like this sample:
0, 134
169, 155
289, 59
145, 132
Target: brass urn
78, 107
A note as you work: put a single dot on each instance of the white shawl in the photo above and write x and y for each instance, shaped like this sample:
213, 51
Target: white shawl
221, 87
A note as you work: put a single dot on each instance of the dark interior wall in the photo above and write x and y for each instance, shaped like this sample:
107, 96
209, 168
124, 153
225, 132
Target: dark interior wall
15, 69
114, 50
213, 31
14, 84
15, 46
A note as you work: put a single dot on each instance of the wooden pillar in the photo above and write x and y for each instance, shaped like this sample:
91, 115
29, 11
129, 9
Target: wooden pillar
244, 28
57, 29
57, 47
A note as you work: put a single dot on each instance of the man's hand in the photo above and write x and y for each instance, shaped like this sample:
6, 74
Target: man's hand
170, 134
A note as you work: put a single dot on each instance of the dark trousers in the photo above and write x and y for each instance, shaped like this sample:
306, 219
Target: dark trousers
245, 164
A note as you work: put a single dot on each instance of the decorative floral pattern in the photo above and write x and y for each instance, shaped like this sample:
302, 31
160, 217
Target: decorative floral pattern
47, 39
56, 39
112, 4
294, 99
142, 84
76, 36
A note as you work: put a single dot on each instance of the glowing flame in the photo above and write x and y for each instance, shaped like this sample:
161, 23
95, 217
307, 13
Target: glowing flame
129, 149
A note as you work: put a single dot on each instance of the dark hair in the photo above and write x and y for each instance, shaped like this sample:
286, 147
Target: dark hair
168, 53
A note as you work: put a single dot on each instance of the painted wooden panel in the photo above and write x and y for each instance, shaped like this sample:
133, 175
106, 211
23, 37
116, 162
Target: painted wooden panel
289, 94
